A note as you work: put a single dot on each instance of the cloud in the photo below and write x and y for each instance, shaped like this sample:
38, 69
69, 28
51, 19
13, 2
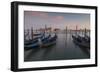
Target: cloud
59, 17
44, 15
36, 13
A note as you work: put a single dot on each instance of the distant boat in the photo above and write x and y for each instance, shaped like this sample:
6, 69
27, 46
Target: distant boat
81, 41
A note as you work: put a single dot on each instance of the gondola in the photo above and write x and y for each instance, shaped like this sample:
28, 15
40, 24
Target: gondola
35, 40
87, 39
37, 44
50, 41
80, 41
84, 38
37, 34
45, 42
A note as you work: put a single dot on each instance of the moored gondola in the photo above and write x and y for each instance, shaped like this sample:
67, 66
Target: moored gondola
44, 42
35, 40
37, 44
81, 42
84, 38
49, 42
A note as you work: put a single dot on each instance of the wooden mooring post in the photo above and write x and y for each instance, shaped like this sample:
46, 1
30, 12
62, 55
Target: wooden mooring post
32, 33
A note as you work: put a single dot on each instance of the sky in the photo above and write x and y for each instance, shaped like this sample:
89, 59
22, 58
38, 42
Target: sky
37, 20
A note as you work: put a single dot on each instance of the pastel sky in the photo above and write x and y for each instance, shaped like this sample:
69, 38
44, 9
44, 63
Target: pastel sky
38, 20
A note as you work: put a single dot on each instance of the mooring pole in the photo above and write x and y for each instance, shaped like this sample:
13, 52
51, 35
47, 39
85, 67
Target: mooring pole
32, 33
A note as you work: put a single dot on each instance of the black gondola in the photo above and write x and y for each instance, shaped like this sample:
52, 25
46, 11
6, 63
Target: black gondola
50, 41
35, 40
44, 42
36, 44
80, 41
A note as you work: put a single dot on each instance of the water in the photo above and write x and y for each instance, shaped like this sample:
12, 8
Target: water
65, 49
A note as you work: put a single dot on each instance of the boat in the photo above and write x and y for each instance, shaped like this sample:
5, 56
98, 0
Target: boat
84, 38
78, 40
37, 34
44, 42
35, 40
87, 39
37, 44
50, 41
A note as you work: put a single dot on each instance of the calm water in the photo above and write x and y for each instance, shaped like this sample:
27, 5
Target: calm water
64, 49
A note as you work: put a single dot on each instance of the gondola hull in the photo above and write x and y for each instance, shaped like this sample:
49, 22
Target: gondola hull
80, 42
35, 40
46, 42
51, 41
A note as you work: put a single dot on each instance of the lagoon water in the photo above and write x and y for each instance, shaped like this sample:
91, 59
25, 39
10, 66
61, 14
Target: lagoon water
64, 49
